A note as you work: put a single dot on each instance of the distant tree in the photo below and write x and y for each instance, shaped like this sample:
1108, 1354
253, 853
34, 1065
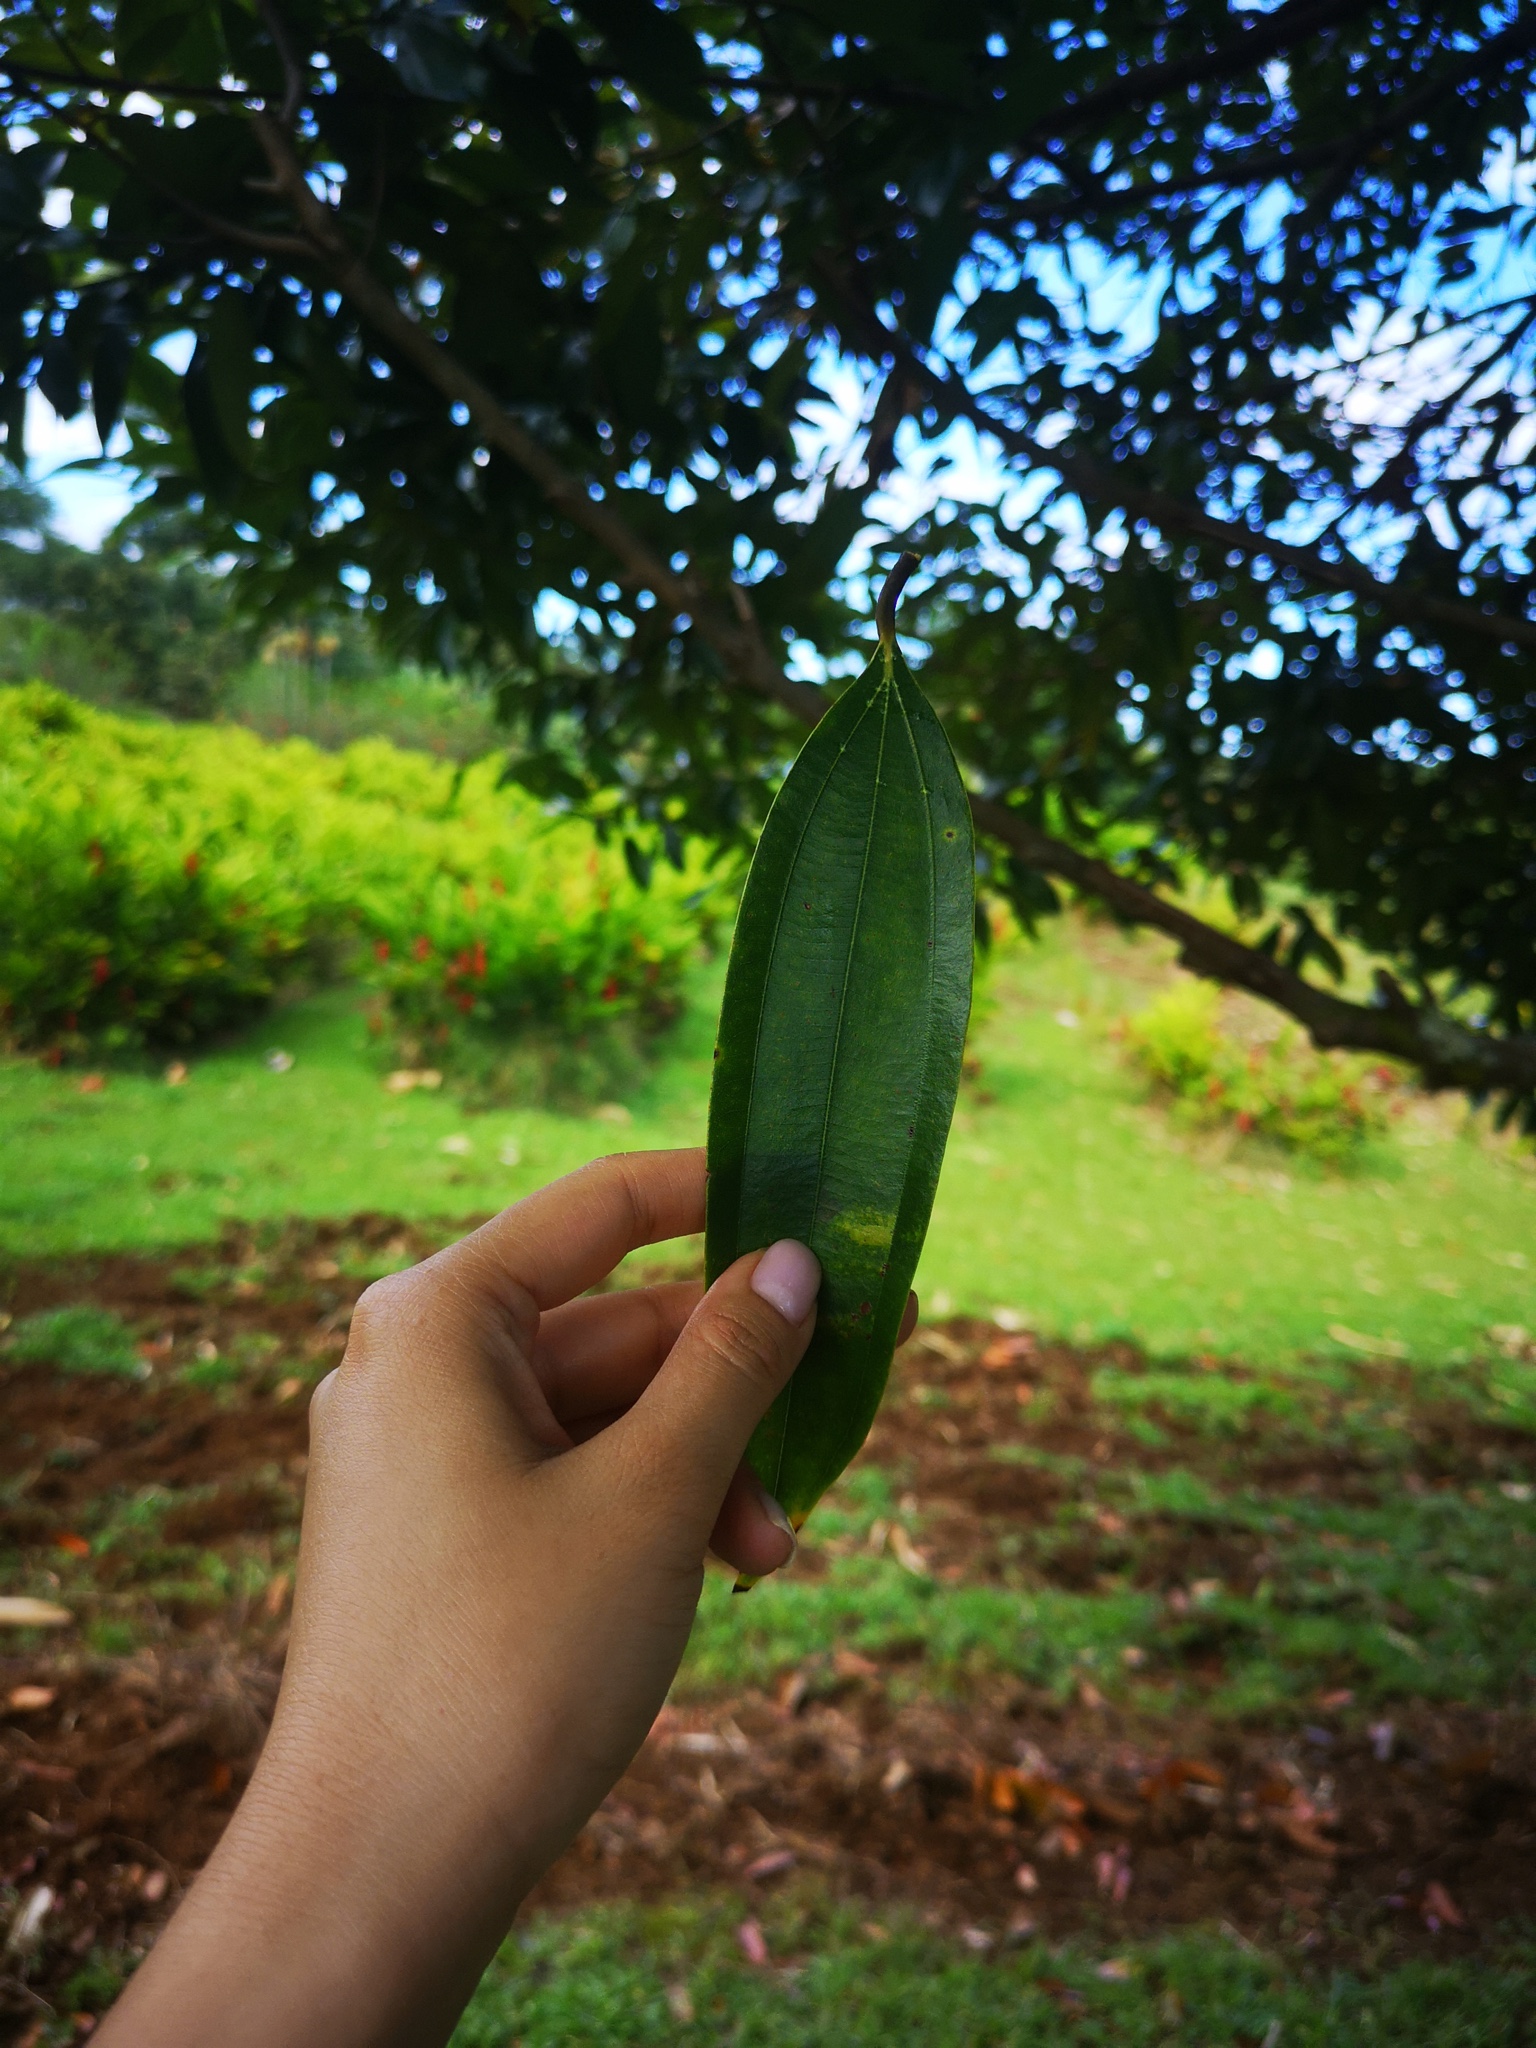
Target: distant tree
156, 626
1237, 304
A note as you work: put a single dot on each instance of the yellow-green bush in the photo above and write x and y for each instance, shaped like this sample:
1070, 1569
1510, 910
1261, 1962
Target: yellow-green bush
159, 882
1326, 1104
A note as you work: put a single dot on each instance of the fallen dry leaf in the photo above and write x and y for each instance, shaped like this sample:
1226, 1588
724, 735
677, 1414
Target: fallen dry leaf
752, 1942
91, 1084
774, 1864
1112, 1872
28, 1924
1026, 1878
30, 1699
1004, 1351
680, 2004
906, 1552
1373, 1347
76, 1546
1062, 1841
1116, 1970
1303, 1836
789, 1694
977, 1940
1439, 1909
404, 1079
1171, 1778
849, 1664
897, 1773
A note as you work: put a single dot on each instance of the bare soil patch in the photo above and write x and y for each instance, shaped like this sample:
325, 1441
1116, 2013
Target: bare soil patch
998, 1812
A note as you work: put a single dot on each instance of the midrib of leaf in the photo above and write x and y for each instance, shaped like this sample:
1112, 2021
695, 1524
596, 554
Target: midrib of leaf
778, 925
887, 690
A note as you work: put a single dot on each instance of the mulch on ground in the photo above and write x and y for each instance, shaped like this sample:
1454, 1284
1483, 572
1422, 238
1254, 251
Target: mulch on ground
1002, 1816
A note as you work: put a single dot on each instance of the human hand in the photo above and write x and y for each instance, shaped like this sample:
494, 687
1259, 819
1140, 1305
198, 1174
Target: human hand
510, 1494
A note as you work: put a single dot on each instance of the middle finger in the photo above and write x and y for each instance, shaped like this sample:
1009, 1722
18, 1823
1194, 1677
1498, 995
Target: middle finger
596, 1355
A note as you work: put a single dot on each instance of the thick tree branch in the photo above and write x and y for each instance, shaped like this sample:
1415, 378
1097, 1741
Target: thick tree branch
1448, 1054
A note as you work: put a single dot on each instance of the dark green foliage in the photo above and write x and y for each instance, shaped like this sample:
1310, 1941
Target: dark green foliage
1112, 239
839, 1053
144, 629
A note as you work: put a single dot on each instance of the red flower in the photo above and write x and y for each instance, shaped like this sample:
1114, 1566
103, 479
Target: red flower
477, 959
610, 989
465, 1002
101, 968
381, 949
192, 863
422, 948
1243, 1120
95, 856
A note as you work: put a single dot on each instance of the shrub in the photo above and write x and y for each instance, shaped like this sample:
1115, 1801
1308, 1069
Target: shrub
159, 883
145, 896
1325, 1104
78, 1339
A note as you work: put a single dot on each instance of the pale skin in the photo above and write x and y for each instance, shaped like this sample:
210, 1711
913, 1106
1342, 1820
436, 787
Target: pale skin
511, 1492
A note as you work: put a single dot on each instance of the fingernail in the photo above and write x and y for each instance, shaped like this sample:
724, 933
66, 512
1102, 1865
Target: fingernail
788, 1275
780, 1520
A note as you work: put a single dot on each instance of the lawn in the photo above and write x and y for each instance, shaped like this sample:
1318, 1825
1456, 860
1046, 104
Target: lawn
1186, 1572
1068, 1200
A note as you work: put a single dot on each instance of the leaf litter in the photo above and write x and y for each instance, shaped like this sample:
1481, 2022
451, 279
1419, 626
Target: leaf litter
849, 1769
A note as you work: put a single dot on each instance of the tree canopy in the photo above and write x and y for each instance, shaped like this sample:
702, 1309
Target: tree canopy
1190, 344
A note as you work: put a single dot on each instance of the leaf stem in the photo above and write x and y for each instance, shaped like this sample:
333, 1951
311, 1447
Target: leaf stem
885, 607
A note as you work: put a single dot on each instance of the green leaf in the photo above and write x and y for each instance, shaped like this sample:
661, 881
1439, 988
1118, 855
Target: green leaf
839, 1053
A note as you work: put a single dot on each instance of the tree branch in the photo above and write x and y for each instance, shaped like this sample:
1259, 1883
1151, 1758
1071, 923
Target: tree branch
1448, 1054
1086, 476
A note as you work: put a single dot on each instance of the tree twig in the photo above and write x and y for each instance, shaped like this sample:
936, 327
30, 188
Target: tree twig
890, 597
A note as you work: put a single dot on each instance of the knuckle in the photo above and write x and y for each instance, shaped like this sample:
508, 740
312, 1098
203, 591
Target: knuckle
735, 1339
383, 1300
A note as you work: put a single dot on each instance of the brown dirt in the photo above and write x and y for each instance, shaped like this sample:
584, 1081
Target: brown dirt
114, 1788
114, 1793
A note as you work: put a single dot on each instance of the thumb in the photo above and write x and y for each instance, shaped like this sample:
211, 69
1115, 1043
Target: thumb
688, 1430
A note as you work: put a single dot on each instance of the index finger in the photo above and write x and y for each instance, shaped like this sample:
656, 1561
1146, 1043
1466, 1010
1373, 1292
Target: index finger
558, 1242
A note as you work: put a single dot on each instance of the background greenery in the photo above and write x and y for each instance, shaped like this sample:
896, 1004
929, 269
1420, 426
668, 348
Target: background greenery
1068, 1196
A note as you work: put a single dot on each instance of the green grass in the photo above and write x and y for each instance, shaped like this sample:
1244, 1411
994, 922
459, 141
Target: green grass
628, 1976
624, 1975
142, 1163
1072, 1200
1067, 1198
1417, 1596
75, 1339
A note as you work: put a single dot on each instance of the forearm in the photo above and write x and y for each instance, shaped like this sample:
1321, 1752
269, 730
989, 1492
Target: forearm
335, 1913
491, 1605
